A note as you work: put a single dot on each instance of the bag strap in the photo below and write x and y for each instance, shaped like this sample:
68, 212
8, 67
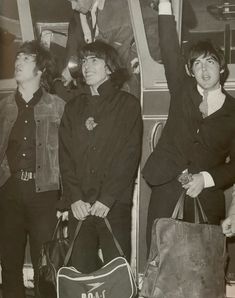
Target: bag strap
179, 209
118, 246
58, 227
202, 212
69, 252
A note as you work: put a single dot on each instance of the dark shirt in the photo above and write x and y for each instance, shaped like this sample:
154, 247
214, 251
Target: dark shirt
100, 144
21, 151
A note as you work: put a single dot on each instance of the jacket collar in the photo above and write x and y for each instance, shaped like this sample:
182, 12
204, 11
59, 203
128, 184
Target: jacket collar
104, 90
226, 109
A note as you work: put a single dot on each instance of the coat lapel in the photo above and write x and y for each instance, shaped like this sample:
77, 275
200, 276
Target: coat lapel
226, 109
196, 100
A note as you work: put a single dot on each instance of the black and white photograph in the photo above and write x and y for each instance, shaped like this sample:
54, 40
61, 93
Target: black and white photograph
117, 148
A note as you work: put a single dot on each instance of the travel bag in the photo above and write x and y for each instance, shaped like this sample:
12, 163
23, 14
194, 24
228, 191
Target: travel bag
52, 257
187, 260
113, 280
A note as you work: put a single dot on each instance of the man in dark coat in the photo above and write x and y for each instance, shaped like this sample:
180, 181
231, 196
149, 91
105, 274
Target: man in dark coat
100, 145
199, 135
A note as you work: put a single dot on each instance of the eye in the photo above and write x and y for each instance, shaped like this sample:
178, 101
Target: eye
196, 63
211, 61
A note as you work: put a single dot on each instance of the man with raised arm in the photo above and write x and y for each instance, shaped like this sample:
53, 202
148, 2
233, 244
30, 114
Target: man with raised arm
199, 134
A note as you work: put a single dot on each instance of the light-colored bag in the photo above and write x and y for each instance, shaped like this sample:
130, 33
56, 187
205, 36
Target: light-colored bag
187, 260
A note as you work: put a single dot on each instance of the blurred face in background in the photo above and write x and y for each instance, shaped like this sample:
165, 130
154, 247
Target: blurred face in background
82, 6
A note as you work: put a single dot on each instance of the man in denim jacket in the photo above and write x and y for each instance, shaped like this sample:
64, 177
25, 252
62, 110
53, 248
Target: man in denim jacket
29, 169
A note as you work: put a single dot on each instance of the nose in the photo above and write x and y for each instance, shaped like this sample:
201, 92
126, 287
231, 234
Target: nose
204, 67
86, 64
19, 60
18, 63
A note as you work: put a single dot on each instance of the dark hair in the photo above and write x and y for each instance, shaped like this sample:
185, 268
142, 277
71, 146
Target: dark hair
119, 73
45, 62
208, 48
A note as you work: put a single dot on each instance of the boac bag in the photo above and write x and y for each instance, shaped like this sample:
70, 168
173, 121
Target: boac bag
113, 280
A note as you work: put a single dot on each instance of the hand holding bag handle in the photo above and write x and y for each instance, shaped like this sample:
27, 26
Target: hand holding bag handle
179, 209
69, 253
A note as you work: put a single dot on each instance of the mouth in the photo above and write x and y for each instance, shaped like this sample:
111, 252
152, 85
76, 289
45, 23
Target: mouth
18, 69
206, 78
88, 75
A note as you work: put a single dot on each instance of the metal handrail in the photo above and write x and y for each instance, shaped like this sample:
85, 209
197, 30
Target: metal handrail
225, 11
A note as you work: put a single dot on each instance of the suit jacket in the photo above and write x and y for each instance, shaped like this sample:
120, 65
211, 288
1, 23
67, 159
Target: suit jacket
188, 140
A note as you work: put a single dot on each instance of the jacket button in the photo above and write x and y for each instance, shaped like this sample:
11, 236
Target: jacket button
92, 171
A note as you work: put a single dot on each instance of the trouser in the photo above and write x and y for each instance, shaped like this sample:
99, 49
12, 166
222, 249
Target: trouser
23, 213
94, 235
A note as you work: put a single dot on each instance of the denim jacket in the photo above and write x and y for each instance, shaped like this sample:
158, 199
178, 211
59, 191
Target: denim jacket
47, 114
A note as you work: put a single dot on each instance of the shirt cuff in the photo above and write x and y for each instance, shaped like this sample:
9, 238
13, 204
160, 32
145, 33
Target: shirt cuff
208, 180
164, 8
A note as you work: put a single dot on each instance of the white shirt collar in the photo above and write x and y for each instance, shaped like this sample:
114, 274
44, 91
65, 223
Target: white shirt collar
215, 99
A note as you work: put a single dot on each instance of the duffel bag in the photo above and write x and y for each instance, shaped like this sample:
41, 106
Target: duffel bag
113, 280
187, 260
52, 257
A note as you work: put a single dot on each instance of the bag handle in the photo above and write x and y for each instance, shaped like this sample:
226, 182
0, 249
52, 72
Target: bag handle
69, 253
118, 246
59, 228
179, 209
202, 212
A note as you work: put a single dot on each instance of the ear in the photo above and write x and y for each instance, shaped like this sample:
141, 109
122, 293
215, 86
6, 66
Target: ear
189, 73
108, 71
39, 72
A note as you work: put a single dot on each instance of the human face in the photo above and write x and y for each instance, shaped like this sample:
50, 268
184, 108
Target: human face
206, 71
82, 6
25, 68
95, 71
